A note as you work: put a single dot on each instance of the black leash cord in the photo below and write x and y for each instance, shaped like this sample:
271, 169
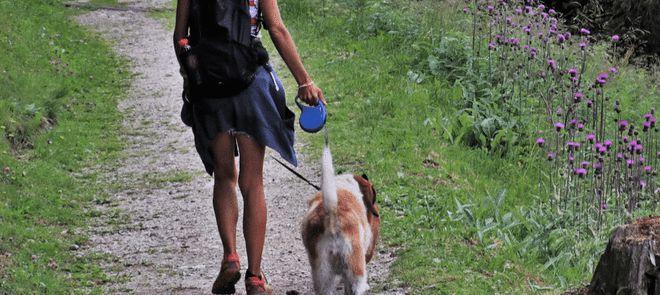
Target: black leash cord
297, 174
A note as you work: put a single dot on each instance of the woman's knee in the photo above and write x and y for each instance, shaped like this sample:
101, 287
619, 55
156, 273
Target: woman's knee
250, 184
225, 173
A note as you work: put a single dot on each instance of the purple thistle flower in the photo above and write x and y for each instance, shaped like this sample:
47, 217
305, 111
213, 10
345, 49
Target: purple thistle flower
571, 159
581, 172
608, 143
582, 45
519, 10
648, 116
573, 122
466, 10
598, 166
648, 169
584, 164
603, 206
552, 11
529, 10
573, 145
625, 138
540, 142
572, 72
623, 124
568, 35
490, 8
527, 30
590, 103
551, 156
559, 111
541, 7
615, 38
602, 150
638, 149
491, 46
642, 184
532, 52
613, 70
641, 160
561, 39
630, 163
602, 79
584, 31
619, 157
591, 137
577, 97
552, 64
559, 126
646, 126
580, 127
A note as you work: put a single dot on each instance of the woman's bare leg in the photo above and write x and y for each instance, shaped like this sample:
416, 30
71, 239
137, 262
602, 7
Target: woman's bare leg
224, 190
250, 181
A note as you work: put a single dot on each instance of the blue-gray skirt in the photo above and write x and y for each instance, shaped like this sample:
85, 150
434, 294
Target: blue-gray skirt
259, 111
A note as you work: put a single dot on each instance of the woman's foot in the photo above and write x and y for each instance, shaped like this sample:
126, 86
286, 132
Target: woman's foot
230, 273
257, 285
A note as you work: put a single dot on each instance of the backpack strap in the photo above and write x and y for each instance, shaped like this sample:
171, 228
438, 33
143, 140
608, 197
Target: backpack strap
260, 19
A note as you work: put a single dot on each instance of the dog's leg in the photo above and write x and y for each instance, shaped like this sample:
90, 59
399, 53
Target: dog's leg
348, 290
355, 279
323, 276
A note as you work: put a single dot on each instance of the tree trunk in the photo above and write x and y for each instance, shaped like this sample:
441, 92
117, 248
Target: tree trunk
630, 264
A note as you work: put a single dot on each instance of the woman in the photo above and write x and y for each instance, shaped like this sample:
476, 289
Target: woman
246, 123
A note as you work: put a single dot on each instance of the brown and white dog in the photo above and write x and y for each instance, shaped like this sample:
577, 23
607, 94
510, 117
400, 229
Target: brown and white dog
340, 230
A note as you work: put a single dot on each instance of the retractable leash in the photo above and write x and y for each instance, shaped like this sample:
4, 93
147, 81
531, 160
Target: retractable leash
312, 120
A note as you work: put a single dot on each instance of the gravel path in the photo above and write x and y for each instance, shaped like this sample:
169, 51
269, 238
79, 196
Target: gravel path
158, 221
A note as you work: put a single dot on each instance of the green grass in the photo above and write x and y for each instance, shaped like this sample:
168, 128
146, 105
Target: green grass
58, 116
361, 53
168, 16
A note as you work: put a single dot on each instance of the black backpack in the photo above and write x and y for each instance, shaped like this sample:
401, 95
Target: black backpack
227, 55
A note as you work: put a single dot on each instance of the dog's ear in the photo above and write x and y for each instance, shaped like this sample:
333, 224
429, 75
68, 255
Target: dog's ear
368, 194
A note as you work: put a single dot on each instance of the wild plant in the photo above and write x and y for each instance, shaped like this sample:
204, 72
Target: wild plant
602, 160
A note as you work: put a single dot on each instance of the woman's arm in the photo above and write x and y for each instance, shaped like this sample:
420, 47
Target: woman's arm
307, 91
181, 26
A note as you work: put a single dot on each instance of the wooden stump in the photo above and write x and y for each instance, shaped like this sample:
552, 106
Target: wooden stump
631, 262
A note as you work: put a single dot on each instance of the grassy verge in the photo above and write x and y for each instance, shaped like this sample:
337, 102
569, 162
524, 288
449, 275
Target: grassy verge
57, 116
469, 222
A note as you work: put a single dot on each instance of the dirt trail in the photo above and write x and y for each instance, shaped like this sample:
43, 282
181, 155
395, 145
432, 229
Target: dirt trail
158, 221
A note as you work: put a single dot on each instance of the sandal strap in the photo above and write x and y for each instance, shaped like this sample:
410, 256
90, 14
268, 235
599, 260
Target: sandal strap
231, 257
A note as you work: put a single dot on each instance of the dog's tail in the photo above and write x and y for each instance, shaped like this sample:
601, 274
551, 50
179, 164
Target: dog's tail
328, 185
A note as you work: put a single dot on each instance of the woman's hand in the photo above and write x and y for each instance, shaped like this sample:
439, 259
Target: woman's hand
310, 94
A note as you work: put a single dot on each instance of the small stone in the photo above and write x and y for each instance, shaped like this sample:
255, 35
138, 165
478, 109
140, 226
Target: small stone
74, 247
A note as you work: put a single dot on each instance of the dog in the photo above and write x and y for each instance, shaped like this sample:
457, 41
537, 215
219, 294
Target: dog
340, 230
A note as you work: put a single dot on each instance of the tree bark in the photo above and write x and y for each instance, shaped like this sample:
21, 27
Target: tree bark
630, 264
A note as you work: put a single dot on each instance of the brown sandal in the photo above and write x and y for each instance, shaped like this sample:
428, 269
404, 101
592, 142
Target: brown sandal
230, 273
257, 285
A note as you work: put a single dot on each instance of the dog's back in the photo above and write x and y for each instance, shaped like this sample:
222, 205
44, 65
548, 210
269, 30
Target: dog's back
338, 232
